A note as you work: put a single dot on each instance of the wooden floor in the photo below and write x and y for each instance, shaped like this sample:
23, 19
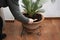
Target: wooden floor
50, 30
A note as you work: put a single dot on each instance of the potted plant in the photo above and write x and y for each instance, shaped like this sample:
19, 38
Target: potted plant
32, 9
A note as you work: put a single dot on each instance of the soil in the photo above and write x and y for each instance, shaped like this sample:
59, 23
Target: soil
35, 16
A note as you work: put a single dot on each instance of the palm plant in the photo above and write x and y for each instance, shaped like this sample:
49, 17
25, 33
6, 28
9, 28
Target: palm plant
31, 7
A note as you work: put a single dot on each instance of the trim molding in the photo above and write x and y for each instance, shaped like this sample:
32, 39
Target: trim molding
52, 17
45, 18
9, 20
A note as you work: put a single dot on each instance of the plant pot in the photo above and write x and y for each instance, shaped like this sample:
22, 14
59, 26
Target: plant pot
35, 27
36, 24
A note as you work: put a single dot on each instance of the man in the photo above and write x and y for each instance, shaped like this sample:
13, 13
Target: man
1, 26
14, 8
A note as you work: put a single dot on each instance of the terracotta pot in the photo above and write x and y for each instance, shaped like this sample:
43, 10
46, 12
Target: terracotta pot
35, 24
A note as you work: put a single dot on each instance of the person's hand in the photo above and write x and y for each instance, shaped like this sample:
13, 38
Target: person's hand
31, 20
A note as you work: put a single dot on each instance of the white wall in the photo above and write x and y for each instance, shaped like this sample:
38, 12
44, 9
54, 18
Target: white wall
7, 14
51, 10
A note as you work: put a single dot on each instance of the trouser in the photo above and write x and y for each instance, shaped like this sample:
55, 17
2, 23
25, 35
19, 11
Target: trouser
1, 20
1, 25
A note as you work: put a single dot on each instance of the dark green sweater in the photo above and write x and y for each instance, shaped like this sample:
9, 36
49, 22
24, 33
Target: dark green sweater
14, 8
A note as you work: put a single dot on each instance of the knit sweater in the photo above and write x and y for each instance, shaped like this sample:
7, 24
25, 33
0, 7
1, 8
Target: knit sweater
14, 8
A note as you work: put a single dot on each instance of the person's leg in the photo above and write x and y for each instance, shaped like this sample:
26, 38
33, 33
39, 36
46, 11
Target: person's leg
2, 35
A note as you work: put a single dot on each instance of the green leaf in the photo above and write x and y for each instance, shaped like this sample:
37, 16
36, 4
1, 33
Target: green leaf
41, 10
32, 7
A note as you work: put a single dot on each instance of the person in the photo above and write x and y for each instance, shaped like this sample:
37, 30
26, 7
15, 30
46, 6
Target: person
1, 26
14, 8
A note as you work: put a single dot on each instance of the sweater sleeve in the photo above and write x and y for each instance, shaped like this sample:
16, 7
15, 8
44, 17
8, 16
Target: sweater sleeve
14, 8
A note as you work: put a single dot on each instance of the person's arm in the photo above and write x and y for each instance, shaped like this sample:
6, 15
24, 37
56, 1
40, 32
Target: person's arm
14, 8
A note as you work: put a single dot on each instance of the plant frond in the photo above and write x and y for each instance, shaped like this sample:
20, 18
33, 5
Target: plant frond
32, 7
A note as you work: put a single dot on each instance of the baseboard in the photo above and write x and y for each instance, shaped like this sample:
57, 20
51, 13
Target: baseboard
52, 17
9, 20
45, 18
